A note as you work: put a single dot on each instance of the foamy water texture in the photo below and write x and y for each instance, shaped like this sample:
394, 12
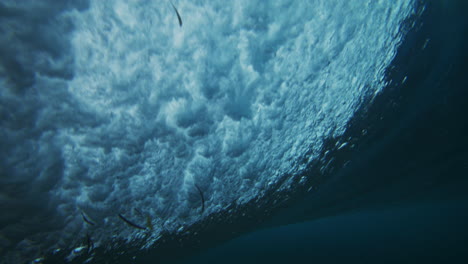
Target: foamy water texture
111, 106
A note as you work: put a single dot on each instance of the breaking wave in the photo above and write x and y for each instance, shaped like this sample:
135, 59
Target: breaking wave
110, 107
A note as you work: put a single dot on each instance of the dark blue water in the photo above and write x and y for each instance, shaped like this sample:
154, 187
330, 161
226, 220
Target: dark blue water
420, 232
403, 195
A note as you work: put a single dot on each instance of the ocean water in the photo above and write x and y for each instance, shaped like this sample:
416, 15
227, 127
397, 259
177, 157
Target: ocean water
255, 132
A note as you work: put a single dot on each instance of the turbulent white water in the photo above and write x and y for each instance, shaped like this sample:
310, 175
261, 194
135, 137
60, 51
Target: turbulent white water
110, 106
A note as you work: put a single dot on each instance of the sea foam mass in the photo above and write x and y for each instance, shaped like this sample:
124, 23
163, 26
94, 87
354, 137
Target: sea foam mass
110, 107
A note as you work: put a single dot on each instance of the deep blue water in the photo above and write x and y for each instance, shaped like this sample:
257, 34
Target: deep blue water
422, 232
403, 196
386, 182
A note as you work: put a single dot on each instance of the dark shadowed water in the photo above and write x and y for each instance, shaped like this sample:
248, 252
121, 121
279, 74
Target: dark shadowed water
402, 196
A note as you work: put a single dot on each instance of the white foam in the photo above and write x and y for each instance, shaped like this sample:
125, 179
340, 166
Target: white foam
228, 101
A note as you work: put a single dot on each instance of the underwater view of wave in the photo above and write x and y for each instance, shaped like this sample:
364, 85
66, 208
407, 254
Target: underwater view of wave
126, 126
